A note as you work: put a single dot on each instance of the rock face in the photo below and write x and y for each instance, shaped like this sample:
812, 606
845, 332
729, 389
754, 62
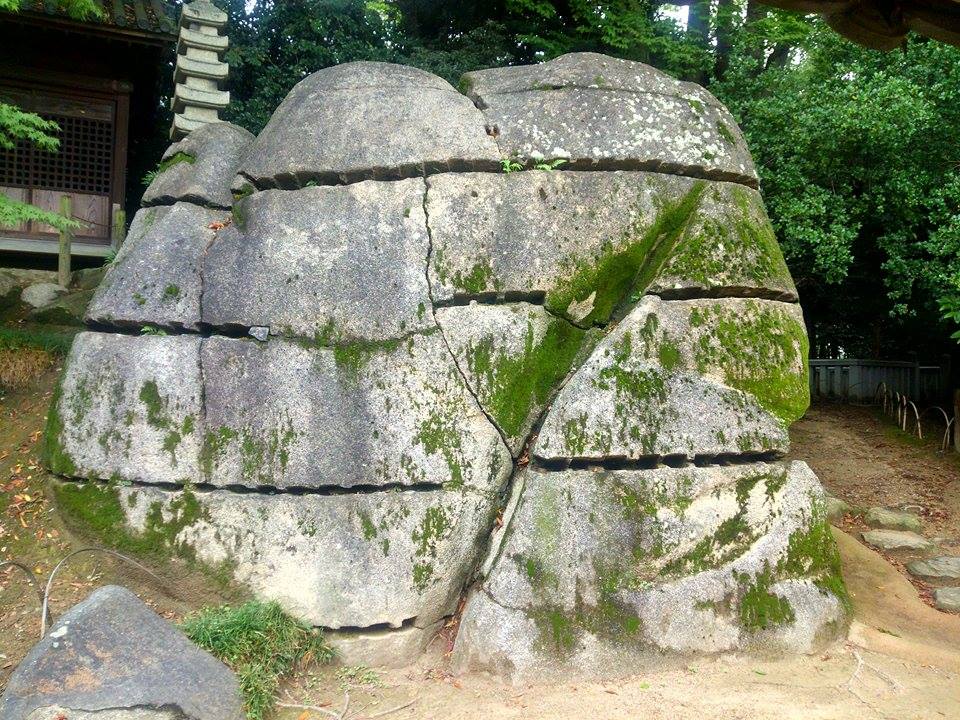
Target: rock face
368, 120
339, 243
420, 356
155, 278
599, 111
684, 378
111, 653
200, 168
598, 565
611, 234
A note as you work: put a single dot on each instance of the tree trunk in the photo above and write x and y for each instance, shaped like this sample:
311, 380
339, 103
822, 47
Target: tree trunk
725, 23
698, 25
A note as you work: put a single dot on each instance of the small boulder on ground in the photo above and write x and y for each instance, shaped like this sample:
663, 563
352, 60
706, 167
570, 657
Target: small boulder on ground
878, 517
113, 653
41, 294
936, 568
947, 599
836, 508
896, 540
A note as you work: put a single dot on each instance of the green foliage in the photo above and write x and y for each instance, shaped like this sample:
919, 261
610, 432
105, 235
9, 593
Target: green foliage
854, 151
17, 125
56, 343
261, 643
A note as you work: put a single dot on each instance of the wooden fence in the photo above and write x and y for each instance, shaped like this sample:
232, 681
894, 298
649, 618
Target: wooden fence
854, 380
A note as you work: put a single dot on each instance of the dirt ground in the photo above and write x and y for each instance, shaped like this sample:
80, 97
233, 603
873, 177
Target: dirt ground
901, 660
31, 532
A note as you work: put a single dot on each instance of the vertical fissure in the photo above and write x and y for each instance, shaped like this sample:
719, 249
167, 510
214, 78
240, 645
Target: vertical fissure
443, 336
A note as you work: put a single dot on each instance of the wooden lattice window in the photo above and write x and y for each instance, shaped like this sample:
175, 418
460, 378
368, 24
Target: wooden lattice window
83, 167
83, 164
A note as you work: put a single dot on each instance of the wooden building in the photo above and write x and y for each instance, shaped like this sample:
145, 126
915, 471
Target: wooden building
104, 81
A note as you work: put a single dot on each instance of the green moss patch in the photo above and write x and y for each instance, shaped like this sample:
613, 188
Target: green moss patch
737, 247
761, 609
263, 456
624, 267
760, 350
52, 453
96, 512
176, 159
640, 408
513, 386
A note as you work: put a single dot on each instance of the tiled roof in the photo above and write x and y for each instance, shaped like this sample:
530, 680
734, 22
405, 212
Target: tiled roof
149, 16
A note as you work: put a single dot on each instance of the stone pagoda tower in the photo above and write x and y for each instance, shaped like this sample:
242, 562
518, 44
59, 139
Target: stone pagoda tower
200, 72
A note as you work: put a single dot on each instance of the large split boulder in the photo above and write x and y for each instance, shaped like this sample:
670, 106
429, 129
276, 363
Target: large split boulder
420, 355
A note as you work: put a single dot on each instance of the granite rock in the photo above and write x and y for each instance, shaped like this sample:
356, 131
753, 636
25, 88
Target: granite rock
200, 168
41, 295
286, 415
368, 120
688, 378
597, 111
878, 517
896, 540
342, 560
602, 564
156, 277
947, 599
113, 658
938, 568
584, 242
513, 357
332, 263
128, 408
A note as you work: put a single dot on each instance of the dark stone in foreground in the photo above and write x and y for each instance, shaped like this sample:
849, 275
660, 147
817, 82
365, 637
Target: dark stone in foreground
112, 652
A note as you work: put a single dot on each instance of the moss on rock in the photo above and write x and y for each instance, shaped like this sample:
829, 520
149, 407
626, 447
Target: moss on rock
622, 268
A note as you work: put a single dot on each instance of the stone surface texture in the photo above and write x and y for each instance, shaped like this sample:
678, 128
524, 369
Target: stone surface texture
610, 234
320, 417
387, 558
938, 568
879, 517
112, 657
128, 408
595, 110
368, 120
419, 358
200, 168
690, 378
42, 294
896, 540
513, 356
947, 599
682, 559
305, 263
155, 277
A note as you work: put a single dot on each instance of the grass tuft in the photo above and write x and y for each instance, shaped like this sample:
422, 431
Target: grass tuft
261, 643
26, 354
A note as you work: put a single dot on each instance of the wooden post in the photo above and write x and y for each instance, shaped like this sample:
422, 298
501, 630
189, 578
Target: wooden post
66, 238
118, 228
